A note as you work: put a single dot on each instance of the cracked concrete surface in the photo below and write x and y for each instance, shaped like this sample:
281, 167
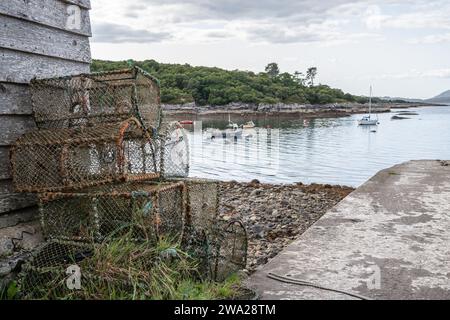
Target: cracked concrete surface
390, 239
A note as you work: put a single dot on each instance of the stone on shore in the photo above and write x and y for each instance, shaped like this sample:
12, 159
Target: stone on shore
275, 215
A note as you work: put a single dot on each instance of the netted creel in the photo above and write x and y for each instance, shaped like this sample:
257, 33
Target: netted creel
230, 247
140, 211
223, 245
67, 159
45, 274
148, 210
174, 150
202, 203
88, 99
57, 267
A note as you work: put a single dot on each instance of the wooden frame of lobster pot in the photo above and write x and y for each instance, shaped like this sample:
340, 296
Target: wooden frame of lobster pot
104, 97
68, 159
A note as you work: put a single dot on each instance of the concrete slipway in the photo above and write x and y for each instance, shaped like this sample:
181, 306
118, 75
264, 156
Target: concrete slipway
390, 239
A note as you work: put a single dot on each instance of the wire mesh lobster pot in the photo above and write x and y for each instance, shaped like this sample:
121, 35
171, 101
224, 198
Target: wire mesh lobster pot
67, 159
222, 245
174, 150
45, 274
137, 211
230, 247
89, 99
203, 204
70, 270
221, 251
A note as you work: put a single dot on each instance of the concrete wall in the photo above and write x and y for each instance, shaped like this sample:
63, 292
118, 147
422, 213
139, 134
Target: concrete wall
38, 38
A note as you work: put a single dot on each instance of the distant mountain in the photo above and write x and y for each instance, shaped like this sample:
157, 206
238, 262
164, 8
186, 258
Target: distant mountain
444, 97
399, 99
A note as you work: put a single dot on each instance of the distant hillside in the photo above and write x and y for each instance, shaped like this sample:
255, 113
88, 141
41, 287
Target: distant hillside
402, 100
442, 98
182, 83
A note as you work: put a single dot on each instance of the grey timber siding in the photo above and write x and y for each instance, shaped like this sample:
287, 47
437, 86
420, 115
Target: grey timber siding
36, 41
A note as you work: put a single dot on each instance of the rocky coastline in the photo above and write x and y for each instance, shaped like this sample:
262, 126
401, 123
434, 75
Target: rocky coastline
190, 110
275, 215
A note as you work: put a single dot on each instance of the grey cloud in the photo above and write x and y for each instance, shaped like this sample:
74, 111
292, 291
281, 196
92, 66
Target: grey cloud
116, 33
218, 34
251, 16
133, 10
275, 35
274, 21
252, 9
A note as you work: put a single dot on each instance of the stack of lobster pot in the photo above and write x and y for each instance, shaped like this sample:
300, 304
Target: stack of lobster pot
105, 165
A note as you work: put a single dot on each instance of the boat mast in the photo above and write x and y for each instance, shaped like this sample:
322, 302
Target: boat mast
370, 102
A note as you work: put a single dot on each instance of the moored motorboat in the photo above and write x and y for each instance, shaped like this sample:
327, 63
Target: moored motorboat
249, 125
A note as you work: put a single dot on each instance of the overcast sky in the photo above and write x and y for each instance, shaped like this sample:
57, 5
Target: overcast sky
401, 47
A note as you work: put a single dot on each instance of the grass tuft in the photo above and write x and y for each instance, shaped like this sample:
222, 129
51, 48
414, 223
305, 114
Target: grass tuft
124, 270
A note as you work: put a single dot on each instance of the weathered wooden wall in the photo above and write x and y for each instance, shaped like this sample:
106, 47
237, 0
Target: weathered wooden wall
35, 41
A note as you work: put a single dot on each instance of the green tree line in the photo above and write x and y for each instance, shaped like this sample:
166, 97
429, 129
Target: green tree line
183, 83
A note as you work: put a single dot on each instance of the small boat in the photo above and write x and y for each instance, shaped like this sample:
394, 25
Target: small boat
185, 122
234, 133
212, 133
231, 124
367, 120
249, 125
232, 130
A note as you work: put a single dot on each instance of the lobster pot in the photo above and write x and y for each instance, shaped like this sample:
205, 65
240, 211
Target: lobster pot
66, 159
197, 244
174, 151
221, 252
45, 275
143, 212
67, 270
203, 204
90, 99
230, 243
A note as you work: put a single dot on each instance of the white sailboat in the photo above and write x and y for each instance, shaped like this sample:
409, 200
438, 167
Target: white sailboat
367, 120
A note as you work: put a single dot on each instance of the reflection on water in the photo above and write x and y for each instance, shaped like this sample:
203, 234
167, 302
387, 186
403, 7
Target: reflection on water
334, 150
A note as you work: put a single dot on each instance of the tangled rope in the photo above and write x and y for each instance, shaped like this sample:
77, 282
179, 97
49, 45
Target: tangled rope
313, 285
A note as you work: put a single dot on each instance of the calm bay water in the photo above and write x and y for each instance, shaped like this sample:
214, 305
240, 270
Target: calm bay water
331, 150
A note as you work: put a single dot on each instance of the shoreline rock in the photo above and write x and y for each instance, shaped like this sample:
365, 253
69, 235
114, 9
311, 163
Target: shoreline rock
399, 118
335, 109
275, 215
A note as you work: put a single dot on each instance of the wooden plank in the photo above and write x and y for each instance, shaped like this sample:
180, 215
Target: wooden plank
15, 99
10, 201
53, 13
29, 37
21, 216
20, 67
5, 167
16, 201
82, 3
13, 127
6, 187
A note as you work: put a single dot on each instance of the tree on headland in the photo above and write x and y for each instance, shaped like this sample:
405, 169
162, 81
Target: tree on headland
272, 69
311, 75
299, 77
